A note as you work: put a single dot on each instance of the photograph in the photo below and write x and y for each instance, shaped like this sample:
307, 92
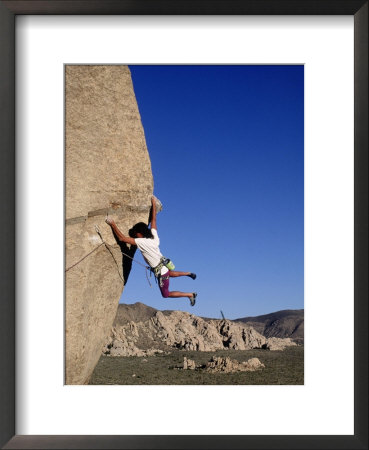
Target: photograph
184, 224
200, 172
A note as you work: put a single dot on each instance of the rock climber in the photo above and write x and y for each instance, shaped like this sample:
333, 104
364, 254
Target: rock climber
147, 240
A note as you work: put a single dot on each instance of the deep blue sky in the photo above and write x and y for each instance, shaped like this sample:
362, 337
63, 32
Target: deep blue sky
227, 150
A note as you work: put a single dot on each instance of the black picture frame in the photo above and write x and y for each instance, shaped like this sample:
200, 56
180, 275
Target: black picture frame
8, 12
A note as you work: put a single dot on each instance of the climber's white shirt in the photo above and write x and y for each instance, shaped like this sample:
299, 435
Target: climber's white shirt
150, 250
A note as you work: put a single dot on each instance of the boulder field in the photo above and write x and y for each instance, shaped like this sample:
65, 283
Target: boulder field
184, 331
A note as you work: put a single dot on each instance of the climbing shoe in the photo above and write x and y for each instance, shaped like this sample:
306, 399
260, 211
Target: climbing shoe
193, 299
192, 275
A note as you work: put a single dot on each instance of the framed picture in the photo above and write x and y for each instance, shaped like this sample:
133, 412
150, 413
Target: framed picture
334, 170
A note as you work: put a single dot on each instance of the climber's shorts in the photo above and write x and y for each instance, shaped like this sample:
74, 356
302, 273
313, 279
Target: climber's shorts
164, 284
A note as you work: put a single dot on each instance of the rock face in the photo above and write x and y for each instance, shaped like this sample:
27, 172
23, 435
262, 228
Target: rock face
184, 331
107, 170
188, 364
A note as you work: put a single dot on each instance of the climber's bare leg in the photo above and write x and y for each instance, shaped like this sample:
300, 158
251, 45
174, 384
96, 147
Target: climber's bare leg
176, 294
175, 273
164, 289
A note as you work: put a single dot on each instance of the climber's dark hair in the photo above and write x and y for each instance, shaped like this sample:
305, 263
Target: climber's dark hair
142, 228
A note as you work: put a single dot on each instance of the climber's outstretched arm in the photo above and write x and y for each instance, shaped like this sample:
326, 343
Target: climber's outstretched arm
121, 237
153, 213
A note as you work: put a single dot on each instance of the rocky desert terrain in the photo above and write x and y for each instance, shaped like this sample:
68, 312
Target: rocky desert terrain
151, 347
139, 330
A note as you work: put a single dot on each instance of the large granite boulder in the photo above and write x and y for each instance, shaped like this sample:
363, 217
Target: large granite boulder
107, 170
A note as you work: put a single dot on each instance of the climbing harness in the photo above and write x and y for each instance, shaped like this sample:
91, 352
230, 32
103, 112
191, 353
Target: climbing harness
164, 262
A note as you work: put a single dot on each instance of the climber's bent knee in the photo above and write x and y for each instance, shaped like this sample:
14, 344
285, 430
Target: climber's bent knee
164, 285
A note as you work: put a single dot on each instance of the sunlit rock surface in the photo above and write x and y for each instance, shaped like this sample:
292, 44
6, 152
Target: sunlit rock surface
107, 170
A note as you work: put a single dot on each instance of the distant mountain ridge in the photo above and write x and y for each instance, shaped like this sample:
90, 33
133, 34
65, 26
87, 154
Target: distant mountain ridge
136, 312
287, 323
